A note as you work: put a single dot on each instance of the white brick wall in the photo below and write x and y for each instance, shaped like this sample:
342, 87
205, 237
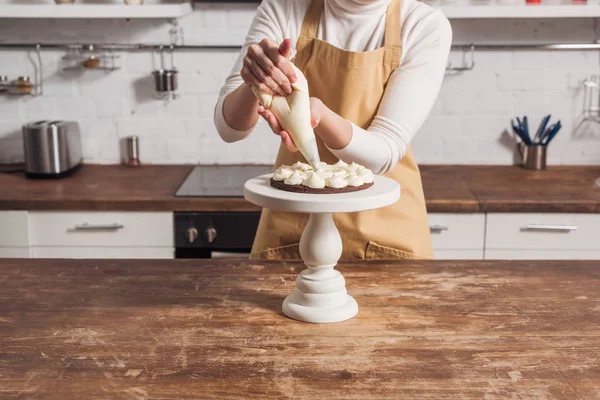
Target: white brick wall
468, 123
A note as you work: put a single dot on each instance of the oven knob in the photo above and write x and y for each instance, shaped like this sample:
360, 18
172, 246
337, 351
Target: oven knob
191, 234
211, 234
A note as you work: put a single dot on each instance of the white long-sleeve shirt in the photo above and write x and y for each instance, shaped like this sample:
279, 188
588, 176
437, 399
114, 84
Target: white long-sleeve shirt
359, 25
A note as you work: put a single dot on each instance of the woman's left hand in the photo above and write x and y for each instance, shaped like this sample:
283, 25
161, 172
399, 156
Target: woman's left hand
316, 112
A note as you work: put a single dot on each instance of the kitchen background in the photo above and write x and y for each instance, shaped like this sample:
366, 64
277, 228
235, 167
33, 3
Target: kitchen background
466, 125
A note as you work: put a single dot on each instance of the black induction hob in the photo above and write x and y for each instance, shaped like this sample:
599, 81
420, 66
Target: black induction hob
219, 180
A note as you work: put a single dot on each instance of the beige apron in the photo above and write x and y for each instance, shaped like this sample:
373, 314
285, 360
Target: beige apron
352, 85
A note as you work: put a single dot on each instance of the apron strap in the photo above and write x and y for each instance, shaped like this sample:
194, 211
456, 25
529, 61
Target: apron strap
393, 34
310, 25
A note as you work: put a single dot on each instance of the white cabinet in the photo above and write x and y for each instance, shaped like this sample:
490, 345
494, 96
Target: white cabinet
14, 234
14, 252
99, 234
542, 236
457, 236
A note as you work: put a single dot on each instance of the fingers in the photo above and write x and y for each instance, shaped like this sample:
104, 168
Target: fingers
286, 50
260, 74
251, 79
267, 56
287, 141
271, 120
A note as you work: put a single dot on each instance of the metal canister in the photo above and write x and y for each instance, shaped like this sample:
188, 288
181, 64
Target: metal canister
133, 151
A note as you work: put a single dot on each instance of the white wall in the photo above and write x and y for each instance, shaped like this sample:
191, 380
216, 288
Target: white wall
466, 125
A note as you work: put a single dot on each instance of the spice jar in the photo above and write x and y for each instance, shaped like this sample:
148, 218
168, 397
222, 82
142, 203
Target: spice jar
91, 59
23, 85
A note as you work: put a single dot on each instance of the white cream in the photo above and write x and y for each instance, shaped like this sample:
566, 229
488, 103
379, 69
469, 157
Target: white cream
314, 181
336, 182
282, 173
337, 176
355, 180
366, 175
294, 179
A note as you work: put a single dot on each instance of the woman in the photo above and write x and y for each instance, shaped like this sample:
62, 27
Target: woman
374, 69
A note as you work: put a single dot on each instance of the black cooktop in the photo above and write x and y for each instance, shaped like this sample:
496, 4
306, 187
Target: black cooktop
219, 180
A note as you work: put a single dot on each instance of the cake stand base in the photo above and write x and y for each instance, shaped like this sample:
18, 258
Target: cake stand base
320, 315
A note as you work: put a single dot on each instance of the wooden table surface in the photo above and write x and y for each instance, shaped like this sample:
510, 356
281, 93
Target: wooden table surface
73, 329
447, 189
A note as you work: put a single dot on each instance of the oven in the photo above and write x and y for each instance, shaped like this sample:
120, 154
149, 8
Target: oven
214, 234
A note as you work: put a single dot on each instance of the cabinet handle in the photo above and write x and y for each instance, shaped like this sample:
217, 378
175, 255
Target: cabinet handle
549, 228
88, 227
438, 228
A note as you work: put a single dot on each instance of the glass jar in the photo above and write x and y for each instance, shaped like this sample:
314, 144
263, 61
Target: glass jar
23, 85
91, 59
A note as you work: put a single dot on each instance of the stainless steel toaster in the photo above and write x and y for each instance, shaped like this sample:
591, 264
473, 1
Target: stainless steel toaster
52, 148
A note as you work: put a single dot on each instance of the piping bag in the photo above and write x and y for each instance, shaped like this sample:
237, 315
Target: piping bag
293, 113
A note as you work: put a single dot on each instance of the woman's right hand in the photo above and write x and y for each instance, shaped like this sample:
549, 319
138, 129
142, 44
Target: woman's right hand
267, 67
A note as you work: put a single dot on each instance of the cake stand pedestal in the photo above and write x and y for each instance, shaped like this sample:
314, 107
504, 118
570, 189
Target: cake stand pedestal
320, 295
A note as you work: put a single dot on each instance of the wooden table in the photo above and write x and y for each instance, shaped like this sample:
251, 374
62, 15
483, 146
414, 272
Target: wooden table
214, 330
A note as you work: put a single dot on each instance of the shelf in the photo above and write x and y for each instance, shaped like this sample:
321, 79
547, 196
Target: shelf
521, 11
95, 11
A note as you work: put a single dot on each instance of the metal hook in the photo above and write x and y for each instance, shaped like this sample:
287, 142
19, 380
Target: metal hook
40, 71
467, 65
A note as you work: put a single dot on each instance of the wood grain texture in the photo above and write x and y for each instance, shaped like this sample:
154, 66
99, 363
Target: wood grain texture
111, 187
448, 188
214, 330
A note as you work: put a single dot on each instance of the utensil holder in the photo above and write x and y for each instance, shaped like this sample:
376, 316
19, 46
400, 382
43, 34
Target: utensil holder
534, 157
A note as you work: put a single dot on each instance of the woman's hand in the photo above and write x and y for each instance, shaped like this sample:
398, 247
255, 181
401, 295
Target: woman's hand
316, 112
267, 67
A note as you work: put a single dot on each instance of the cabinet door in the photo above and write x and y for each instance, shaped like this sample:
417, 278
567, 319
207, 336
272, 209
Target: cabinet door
542, 254
565, 232
103, 252
14, 252
102, 229
14, 228
457, 231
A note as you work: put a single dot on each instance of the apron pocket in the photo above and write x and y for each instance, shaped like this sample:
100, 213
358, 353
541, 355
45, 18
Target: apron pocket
288, 252
378, 252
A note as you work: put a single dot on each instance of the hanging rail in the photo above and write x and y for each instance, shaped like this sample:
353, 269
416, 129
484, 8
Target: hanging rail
151, 47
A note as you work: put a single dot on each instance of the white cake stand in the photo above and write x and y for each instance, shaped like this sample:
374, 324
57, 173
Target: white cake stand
320, 295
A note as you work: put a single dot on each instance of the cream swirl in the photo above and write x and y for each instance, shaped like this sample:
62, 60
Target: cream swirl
366, 175
355, 180
340, 163
314, 181
336, 182
282, 173
294, 179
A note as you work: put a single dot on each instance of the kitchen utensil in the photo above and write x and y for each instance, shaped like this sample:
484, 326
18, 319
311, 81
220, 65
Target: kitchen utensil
133, 151
52, 148
541, 129
534, 157
519, 132
552, 133
165, 79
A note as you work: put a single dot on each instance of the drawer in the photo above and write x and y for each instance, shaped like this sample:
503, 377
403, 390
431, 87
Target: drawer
457, 231
542, 255
543, 231
14, 228
14, 252
458, 254
103, 252
109, 229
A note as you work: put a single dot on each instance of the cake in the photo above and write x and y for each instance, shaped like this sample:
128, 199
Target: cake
326, 179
